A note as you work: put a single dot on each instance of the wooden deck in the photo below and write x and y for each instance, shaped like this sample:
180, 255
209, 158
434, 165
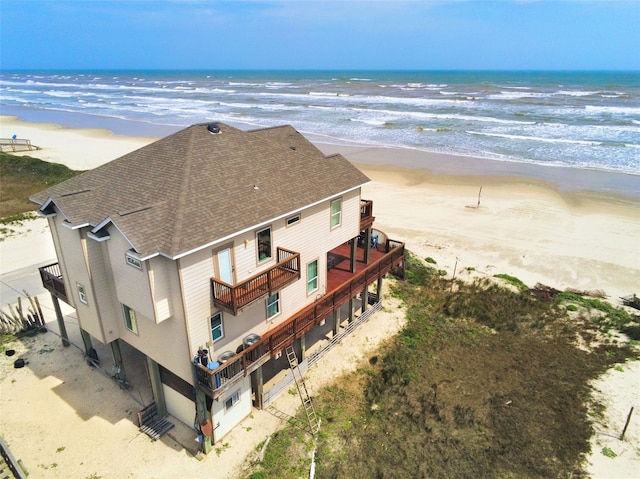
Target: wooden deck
339, 264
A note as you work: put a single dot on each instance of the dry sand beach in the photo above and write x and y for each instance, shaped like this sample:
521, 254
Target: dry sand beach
63, 419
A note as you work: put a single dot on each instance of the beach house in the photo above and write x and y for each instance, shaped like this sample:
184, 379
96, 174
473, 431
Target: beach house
210, 252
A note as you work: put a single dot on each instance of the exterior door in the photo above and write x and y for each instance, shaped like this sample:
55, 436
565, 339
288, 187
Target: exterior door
225, 267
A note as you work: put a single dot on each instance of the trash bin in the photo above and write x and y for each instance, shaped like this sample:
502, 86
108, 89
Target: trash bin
216, 377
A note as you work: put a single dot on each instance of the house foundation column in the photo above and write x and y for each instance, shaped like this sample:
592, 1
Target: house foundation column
351, 308
202, 416
92, 355
156, 386
303, 347
336, 321
379, 288
63, 329
118, 362
257, 386
86, 340
354, 252
365, 298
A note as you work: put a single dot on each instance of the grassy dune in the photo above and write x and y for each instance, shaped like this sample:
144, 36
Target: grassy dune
485, 381
22, 176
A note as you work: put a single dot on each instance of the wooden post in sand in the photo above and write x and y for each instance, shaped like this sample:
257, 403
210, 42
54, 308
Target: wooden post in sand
626, 425
479, 192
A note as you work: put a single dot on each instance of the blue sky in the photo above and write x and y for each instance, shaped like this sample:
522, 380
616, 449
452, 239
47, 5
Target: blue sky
418, 35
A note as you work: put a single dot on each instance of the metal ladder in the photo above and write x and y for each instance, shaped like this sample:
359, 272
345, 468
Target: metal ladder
302, 390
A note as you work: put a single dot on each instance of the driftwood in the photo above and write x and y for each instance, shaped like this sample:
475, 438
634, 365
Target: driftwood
542, 291
17, 320
593, 293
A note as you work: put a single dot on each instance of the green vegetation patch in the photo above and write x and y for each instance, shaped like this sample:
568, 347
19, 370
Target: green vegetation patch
512, 280
483, 382
22, 176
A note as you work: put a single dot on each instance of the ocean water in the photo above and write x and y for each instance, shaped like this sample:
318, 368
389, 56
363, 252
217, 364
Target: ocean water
586, 120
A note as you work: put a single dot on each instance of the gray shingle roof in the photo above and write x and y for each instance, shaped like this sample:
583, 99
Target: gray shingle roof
192, 188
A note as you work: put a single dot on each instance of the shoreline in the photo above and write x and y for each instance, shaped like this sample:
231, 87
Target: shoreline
563, 178
525, 225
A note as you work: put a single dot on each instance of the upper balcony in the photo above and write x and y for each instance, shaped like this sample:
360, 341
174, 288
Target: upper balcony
366, 214
235, 297
52, 280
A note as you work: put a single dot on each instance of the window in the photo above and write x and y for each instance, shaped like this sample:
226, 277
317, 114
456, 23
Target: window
264, 244
293, 220
130, 319
216, 327
312, 276
336, 213
232, 401
82, 294
136, 263
273, 305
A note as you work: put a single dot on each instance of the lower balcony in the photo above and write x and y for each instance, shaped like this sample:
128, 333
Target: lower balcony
235, 297
52, 280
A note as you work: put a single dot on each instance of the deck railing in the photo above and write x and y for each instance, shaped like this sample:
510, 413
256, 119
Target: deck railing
366, 214
52, 280
235, 297
17, 144
273, 341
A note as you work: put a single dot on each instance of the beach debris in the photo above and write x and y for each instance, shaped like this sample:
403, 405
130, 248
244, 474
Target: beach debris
592, 293
18, 319
632, 301
542, 291
20, 363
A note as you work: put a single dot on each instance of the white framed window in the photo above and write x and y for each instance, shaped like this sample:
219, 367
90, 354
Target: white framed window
82, 293
215, 323
292, 220
135, 262
130, 320
336, 213
273, 305
263, 240
312, 276
232, 400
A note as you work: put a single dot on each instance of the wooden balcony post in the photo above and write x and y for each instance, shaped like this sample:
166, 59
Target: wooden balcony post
367, 245
354, 252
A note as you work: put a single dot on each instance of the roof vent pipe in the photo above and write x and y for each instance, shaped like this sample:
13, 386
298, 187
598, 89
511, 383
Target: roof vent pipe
213, 128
